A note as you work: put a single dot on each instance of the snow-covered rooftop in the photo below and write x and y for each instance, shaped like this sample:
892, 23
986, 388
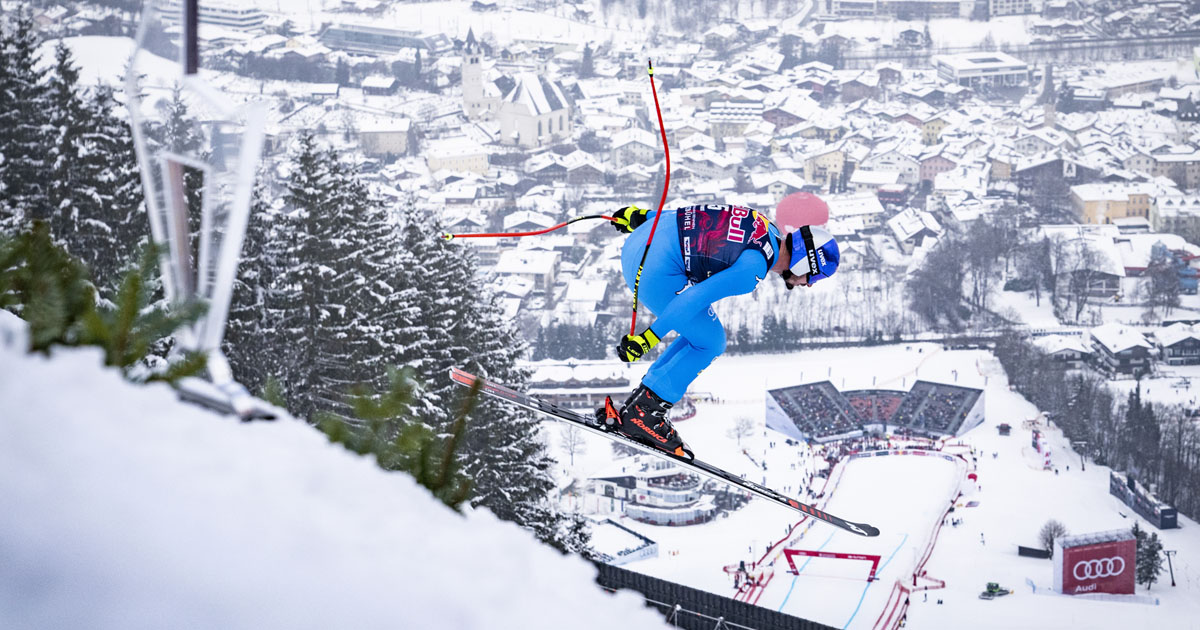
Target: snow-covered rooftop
1117, 337
911, 222
1176, 333
853, 205
526, 262
538, 94
1053, 344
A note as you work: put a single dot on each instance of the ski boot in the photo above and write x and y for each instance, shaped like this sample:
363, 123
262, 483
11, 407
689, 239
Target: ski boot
643, 418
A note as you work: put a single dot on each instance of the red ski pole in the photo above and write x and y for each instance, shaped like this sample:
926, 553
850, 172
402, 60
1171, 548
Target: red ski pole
637, 280
448, 236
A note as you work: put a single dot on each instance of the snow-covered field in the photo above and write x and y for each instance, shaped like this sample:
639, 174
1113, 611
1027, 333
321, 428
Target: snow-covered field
455, 17
905, 497
123, 508
615, 23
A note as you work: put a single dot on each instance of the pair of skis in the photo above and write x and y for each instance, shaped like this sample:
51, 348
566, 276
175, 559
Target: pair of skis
589, 423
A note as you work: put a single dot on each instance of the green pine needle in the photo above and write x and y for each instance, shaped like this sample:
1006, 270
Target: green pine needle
383, 425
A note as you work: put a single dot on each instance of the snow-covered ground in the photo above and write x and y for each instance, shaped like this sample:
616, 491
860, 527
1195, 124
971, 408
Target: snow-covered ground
1024, 308
908, 493
617, 24
123, 508
945, 32
905, 497
104, 59
454, 17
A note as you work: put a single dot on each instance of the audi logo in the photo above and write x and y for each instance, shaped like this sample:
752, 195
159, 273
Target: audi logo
1096, 569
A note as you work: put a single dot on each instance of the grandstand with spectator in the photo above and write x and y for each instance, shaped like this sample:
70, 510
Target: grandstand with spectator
938, 409
818, 412
875, 406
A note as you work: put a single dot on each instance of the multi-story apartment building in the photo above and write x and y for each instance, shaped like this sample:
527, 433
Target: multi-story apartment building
1176, 213
1179, 344
1101, 203
1014, 7
226, 15
1120, 349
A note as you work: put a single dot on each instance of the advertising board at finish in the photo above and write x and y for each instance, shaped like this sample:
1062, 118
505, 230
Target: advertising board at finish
1103, 567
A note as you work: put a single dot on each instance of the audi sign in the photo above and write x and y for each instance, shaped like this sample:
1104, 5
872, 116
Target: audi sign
1095, 564
1097, 569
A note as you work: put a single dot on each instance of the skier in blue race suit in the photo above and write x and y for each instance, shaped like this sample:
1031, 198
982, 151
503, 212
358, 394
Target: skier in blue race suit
699, 254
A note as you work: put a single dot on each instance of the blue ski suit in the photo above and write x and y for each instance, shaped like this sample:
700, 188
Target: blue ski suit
713, 251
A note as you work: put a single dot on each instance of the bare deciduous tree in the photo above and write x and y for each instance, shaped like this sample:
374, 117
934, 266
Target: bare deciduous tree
1161, 287
743, 427
1051, 531
573, 442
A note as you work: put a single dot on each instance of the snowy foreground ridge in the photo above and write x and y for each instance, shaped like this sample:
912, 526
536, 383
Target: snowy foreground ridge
123, 508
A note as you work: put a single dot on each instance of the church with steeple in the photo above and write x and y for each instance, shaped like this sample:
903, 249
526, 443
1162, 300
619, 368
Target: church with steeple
532, 110
481, 95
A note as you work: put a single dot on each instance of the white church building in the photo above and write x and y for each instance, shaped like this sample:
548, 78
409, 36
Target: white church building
534, 112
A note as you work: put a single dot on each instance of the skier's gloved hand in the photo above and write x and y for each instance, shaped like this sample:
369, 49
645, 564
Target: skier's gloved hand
628, 219
633, 347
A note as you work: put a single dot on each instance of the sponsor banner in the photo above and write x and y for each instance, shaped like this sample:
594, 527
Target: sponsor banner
923, 453
1108, 567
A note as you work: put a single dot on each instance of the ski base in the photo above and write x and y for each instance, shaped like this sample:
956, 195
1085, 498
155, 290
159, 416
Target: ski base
589, 423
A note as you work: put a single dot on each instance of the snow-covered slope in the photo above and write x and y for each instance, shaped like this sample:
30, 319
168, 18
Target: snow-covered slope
123, 508
906, 498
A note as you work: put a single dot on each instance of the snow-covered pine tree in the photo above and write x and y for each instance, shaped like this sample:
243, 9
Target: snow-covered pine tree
324, 328
113, 228
295, 302
68, 122
372, 239
23, 125
249, 331
93, 181
411, 335
503, 453
1149, 556
429, 349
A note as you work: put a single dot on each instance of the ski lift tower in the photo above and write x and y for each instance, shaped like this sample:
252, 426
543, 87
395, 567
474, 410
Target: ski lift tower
199, 242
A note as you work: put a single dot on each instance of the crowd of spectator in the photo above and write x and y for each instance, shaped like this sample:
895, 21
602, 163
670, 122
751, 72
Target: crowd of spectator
946, 407
934, 408
906, 413
820, 411
875, 406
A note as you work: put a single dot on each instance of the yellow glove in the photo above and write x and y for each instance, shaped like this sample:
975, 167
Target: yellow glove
633, 347
628, 219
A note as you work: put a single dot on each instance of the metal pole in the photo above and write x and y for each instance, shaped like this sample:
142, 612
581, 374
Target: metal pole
1169, 567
